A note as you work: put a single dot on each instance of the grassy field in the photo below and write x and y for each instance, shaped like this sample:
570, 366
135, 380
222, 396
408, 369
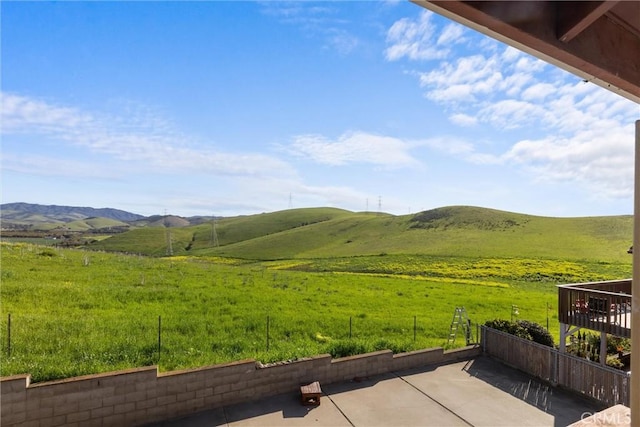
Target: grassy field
289, 284
76, 312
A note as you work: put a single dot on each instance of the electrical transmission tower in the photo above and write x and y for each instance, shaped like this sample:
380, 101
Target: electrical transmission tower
214, 233
168, 234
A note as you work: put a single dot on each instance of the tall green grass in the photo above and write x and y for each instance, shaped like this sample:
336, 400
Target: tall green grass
76, 312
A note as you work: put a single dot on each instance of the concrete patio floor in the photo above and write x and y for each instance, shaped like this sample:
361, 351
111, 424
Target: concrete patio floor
478, 392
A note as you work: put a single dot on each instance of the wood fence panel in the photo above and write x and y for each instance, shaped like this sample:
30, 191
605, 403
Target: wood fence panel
603, 383
608, 385
522, 354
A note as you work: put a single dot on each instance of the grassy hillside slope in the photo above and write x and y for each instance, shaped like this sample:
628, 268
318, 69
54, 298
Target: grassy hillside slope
94, 223
450, 231
153, 240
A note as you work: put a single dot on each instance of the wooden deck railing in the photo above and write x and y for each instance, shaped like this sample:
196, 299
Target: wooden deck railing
599, 306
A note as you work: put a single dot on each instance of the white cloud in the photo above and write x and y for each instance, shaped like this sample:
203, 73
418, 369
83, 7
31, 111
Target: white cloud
299, 13
413, 39
585, 144
513, 84
54, 166
538, 91
116, 150
342, 41
603, 163
462, 80
462, 119
354, 147
580, 133
20, 114
510, 54
451, 34
321, 21
453, 93
477, 79
449, 145
138, 140
512, 114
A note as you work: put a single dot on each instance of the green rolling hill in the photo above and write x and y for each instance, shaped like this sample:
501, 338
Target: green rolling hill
94, 223
312, 271
450, 231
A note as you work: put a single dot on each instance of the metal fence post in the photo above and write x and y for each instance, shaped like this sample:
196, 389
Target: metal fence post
414, 327
267, 333
159, 337
9, 335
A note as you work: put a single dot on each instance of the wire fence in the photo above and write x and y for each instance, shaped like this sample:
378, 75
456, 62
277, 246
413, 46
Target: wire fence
90, 343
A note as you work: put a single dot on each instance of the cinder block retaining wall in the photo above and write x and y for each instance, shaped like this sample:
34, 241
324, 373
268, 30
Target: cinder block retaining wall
138, 396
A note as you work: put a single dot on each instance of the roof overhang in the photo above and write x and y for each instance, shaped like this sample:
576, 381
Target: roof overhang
596, 40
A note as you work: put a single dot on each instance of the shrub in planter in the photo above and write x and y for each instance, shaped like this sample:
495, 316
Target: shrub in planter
512, 328
614, 361
537, 332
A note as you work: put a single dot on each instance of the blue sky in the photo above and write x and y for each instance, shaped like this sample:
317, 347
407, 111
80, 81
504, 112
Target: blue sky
230, 108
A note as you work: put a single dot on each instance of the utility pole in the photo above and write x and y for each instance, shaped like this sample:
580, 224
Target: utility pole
214, 233
168, 235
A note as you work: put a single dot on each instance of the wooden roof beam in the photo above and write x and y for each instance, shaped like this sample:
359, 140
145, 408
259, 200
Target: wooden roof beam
572, 18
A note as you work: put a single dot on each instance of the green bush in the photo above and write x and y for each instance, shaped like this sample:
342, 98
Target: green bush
524, 329
537, 332
509, 327
616, 344
614, 361
48, 253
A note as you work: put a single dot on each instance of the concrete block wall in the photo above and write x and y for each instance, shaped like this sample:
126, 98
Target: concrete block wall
138, 396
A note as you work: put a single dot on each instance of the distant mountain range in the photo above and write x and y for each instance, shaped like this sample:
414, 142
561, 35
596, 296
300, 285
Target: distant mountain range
24, 211
30, 216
